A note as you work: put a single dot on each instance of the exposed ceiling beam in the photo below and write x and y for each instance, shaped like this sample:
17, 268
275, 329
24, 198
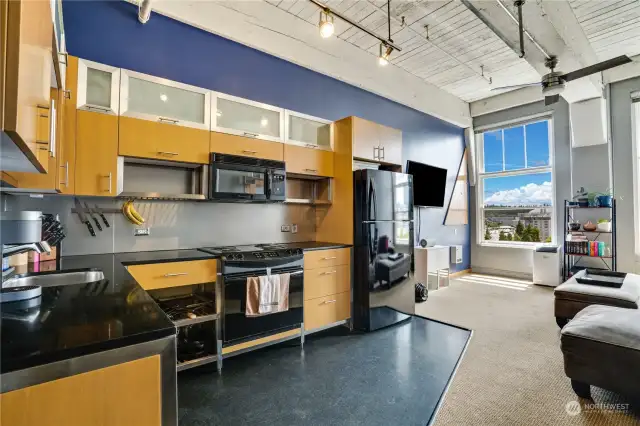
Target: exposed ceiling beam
506, 100
553, 27
264, 27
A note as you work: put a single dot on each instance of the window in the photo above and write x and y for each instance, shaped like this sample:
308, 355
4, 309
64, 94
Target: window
515, 188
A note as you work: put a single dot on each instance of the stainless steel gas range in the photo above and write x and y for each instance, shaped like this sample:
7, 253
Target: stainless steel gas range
238, 263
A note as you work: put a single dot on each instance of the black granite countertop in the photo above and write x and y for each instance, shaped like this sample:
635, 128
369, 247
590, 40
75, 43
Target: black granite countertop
312, 245
162, 256
80, 319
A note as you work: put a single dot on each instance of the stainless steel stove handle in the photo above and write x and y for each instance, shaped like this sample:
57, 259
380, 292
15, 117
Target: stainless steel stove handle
296, 273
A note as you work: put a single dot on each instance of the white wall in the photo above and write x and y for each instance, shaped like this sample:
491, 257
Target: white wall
621, 134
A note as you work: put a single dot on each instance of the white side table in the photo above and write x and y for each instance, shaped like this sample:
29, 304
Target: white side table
430, 261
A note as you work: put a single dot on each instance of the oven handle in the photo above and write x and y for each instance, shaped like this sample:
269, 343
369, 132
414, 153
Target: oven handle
245, 276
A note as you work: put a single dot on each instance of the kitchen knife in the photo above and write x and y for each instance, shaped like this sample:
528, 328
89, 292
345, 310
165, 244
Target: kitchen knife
95, 219
104, 219
83, 218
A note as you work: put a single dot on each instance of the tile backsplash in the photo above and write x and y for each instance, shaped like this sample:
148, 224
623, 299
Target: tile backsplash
173, 225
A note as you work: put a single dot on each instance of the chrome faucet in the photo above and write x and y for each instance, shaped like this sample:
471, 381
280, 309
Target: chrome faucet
10, 250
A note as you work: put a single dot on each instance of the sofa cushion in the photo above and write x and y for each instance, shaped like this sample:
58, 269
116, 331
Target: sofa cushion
606, 324
626, 296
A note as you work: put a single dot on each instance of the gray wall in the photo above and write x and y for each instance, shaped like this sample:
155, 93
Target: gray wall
174, 225
519, 261
622, 136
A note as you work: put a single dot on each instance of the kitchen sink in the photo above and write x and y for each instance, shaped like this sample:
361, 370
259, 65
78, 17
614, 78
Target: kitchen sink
56, 278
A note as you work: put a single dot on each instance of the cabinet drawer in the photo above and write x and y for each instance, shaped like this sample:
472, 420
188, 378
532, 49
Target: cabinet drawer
174, 274
308, 161
326, 281
327, 310
324, 258
162, 141
246, 147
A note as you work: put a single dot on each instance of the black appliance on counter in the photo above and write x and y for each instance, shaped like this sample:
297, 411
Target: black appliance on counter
241, 262
384, 289
237, 178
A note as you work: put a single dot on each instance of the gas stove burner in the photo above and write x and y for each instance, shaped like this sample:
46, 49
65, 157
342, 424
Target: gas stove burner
252, 252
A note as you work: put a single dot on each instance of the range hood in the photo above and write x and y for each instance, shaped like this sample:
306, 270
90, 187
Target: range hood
162, 180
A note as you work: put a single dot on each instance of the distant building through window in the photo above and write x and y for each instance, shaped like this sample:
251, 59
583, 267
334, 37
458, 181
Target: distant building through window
515, 188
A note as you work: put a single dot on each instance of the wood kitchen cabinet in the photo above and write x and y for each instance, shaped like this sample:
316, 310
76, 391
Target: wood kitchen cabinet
373, 141
162, 141
123, 394
174, 274
67, 129
247, 147
96, 154
308, 161
27, 44
48, 138
327, 288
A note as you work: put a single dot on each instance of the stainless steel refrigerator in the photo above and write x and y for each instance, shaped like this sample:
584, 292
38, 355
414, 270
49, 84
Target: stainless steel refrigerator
384, 289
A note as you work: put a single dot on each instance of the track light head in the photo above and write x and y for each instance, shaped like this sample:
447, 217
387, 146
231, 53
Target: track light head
385, 52
326, 24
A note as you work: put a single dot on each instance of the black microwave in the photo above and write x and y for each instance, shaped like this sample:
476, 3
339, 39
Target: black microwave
237, 178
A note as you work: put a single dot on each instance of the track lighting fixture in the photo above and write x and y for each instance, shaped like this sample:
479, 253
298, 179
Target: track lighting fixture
385, 52
326, 24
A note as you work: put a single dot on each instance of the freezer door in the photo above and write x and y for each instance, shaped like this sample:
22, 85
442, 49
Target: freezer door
384, 286
386, 196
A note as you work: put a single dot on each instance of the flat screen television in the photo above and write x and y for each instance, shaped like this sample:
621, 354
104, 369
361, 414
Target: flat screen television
429, 183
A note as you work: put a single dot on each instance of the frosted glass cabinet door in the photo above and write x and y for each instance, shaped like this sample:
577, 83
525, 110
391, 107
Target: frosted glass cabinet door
158, 99
243, 117
308, 131
98, 87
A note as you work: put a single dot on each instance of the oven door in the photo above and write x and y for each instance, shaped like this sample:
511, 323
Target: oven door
238, 182
237, 327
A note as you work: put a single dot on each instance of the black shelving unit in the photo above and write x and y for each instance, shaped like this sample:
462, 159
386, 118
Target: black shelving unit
572, 259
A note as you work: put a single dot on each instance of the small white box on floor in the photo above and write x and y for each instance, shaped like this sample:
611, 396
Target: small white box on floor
546, 266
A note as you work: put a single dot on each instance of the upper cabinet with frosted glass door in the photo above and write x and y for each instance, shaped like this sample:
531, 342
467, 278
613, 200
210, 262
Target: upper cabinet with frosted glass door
163, 119
308, 131
98, 87
237, 116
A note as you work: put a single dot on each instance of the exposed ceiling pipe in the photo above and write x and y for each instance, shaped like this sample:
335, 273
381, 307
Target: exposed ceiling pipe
144, 11
518, 4
529, 36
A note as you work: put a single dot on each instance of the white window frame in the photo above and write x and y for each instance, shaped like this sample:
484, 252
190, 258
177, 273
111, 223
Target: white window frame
481, 176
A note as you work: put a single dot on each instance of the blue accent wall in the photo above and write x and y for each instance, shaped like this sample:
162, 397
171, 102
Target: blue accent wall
109, 32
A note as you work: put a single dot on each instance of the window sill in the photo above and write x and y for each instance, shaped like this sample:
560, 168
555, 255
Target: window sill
531, 246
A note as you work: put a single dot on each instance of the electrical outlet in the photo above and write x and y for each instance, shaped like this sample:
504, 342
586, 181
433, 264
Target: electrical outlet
285, 228
294, 228
139, 232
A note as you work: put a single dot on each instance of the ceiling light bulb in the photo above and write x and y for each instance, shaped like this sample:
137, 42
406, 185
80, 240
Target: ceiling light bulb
163, 97
326, 24
264, 122
385, 52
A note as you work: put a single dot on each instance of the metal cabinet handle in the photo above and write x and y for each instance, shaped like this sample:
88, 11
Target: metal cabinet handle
177, 274
310, 145
247, 151
329, 258
375, 156
66, 167
168, 120
168, 153
109, 177
89, 107
311, 170
328, 272
326, 302
251, 135
381, 149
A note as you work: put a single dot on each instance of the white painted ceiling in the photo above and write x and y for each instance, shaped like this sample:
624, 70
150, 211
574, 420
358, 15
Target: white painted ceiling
457, 59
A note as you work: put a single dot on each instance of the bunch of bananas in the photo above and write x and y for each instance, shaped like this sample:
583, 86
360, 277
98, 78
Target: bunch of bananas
130, 213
